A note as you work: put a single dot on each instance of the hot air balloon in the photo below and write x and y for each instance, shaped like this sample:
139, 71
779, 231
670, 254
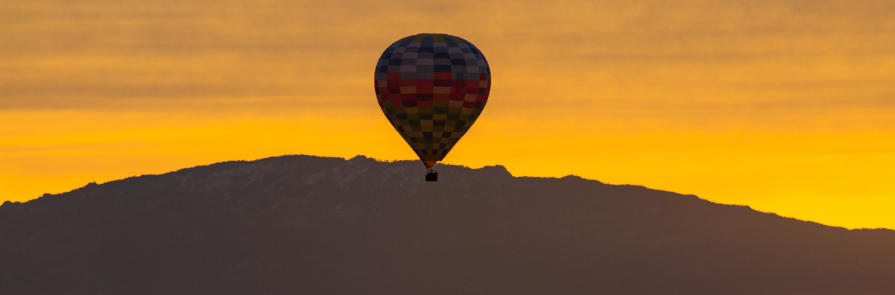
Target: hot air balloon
432, 87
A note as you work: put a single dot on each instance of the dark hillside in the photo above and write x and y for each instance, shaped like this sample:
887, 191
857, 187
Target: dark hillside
310, 225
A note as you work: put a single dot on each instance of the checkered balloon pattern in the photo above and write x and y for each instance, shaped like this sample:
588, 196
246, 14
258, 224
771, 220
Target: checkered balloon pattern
432, 87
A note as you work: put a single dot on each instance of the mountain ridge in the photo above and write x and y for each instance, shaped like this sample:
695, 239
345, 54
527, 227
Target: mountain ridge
319, 225
496, 167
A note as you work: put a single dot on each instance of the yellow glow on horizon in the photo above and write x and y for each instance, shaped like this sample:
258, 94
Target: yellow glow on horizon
804, 175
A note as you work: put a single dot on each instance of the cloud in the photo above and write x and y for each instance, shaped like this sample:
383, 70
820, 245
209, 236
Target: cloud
97, 54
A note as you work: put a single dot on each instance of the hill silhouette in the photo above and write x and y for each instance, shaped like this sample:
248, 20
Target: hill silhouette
312, 225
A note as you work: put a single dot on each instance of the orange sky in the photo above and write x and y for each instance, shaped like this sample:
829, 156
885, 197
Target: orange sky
785, 106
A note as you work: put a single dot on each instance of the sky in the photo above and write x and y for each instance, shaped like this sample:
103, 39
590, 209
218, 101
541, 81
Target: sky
786, 106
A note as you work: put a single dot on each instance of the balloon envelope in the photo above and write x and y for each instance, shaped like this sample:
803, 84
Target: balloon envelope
432, 87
